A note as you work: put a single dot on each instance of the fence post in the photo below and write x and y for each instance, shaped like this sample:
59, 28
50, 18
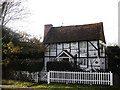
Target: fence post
48, 77
111, 79
37, 77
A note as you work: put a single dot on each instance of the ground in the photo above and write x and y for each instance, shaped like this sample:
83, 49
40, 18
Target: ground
12, 84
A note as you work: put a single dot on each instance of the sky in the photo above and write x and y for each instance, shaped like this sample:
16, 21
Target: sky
72, 12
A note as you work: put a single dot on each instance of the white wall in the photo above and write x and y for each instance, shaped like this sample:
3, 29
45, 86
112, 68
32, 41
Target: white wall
80, 51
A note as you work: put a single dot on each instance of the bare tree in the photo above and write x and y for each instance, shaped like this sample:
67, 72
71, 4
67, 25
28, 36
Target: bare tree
12, 10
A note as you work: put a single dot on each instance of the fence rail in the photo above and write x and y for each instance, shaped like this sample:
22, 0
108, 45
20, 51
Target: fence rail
92, 78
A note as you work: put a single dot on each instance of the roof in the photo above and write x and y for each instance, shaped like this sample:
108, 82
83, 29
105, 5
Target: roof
75, 33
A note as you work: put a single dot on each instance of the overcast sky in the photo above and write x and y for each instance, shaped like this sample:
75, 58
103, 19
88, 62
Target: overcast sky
73, 12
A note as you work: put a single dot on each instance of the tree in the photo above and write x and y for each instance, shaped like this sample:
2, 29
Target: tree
9, 52
12, 10
10, 35
113, 53
32, 49
19, 46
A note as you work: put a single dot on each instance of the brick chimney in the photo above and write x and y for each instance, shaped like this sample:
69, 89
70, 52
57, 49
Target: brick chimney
47, 27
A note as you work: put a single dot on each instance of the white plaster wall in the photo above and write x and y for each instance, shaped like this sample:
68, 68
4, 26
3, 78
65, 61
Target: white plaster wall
92, 51
102, 63
91, 47
93, 62
58, 51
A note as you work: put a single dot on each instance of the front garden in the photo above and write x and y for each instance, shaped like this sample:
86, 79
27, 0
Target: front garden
27, 85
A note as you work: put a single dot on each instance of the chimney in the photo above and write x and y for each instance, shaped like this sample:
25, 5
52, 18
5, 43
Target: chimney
47, 27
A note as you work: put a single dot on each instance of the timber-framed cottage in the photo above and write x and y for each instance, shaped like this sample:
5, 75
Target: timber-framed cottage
85, 42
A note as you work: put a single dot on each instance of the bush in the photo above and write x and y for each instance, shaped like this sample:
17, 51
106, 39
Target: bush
26, 65
35, 66
59, 66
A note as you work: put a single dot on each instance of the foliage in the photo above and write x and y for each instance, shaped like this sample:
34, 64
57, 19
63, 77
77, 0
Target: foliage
21, 65
9, 35
113, 53
20, 42
59, 66
17, 46
9, 52
32, 49
26, 65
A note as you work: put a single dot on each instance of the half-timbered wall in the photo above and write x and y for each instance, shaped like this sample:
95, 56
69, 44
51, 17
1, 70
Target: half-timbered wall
88, 52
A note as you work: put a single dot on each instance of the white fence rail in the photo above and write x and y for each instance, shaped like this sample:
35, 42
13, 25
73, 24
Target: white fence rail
92, 78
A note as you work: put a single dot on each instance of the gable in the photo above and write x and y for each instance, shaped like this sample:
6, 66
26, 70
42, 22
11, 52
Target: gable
75, 33
64, 53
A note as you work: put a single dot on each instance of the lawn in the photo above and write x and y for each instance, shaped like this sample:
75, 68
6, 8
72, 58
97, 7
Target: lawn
28, 85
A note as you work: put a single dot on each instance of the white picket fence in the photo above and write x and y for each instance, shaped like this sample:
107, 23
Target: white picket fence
91, 78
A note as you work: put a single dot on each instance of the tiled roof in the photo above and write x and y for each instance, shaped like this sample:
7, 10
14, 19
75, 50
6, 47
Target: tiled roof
75, 33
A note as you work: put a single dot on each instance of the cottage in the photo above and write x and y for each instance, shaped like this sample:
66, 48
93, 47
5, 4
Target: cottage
86, 43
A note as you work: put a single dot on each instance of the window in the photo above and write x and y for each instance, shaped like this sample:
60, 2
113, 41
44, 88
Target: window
83, 61
74, 45
83, 44
83, 47
53, 47
66, 45
59, 46
83, 50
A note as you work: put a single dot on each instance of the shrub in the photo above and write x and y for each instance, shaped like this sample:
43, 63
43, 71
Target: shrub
59, 66
26, 65
35, 65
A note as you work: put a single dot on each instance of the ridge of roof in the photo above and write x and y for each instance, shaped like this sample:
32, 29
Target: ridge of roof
79, 25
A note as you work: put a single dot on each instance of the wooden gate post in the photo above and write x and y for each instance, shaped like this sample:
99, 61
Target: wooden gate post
48, 77
111, 79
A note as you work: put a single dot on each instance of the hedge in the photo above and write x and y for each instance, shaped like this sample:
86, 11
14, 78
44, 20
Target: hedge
59, 66
26, 65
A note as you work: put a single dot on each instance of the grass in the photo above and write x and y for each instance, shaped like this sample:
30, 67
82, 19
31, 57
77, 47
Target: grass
53, 86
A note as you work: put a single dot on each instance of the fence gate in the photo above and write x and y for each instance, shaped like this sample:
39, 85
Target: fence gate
91, 78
